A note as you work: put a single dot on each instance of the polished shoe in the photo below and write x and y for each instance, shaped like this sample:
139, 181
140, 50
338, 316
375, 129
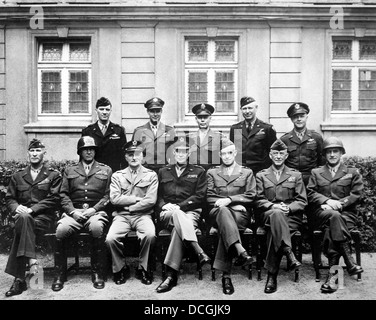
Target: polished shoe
292, 262
355, 269
167, 284
122, 276
144, 276
243, 259
97, 280
227, 286
351, 265
271, 283
331, 284
17, 288
203, 258
58, 282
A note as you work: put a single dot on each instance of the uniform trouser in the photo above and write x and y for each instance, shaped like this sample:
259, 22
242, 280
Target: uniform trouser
336, 227
279, 228
229, 222
67, 226
23, 245
120, 227
183, 226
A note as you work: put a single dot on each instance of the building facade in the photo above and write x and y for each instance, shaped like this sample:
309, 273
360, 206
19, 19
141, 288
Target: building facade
58, 57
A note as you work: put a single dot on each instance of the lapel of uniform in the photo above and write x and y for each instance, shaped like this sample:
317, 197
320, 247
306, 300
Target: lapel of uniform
325, 173
43, 174
139, 176
341, 172
294, 138
80, 169
236, 173
222, 174
94, 169
127, 175
110, 129
97, 131
284, 175
148, 131
271, 176
161, 130
256, 128
208, 138
243, 126
27, 176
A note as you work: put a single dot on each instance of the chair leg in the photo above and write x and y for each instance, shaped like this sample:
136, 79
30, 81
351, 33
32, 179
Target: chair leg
199, 269
261, 253
356, 238
297, 249
316, 255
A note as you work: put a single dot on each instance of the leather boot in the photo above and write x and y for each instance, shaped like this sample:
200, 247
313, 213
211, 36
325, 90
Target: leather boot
331, 282
271, 283
97, 259
352, 267
292, 262
60, 266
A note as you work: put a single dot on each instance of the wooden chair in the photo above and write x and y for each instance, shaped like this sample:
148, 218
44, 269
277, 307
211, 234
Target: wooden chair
246, 238
296, 242
317, 237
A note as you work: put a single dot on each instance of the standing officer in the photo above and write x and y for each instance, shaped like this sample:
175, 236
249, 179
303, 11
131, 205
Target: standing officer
231, 191
32, 198
205, 142
84, 196
109, 137
304, 146
181, 193
133, 192
252, 137
333, 190
155, 136
281, 200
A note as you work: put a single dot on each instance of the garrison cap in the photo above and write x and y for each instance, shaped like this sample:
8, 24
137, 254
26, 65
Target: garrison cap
181, 143
154, 103
36, 143
225, 142
298, 107
203, 108
278, 145
103, 102
132, 146
246, 100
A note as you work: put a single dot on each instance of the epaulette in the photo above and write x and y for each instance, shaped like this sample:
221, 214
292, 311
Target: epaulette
102, 164
285, 134
263, 171
198, 166
53, 169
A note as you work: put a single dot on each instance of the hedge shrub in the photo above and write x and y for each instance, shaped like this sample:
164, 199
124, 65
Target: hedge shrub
366, 206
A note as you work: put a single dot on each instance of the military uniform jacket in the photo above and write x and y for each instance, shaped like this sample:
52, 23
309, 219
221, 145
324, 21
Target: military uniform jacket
253, 148
206, 152
305, 154
41, 195
346, 186
188, 190
156, 147
124, 190
289, 189
78, 189
110, 146
240, 187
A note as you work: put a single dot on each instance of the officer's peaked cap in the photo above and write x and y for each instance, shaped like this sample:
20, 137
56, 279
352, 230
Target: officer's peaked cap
132, 146
203, 108
154, 103
297, 107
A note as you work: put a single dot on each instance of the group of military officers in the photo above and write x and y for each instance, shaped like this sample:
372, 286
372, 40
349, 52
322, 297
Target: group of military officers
175, 180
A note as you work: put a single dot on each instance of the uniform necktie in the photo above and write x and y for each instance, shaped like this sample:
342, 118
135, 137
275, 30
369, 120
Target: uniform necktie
300, 135
249, 128
155, 129
34, 173
333, 172
87, 169
104, 129
277, 174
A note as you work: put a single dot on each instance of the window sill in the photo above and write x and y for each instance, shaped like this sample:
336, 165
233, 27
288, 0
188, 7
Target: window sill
329, 126
56, 126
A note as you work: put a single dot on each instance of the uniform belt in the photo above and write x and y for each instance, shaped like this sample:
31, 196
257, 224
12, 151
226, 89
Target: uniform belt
84, 205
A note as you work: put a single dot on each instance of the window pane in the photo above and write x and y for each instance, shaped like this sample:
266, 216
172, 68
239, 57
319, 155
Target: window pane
52, 51
197, 50
78, 91
224, 91
367, 90
51, 92
342, 49
79, 52
197, 88
225, 50
367, 50
341, 84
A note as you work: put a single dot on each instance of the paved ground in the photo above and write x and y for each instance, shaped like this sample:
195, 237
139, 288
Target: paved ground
79, 287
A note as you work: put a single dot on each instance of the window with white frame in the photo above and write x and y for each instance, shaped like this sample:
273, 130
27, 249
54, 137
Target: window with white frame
211, 71
64, 78
354, 75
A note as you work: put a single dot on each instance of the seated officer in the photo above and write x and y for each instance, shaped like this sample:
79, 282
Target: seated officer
133, 192
231, 191
333, 190
182, 189
281, 201
205, 142
31, 199
84, 196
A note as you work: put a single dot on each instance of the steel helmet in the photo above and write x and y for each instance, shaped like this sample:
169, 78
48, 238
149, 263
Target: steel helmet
86, 142
333, 142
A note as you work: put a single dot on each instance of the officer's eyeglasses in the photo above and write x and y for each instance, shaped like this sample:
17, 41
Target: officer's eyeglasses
278, 153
